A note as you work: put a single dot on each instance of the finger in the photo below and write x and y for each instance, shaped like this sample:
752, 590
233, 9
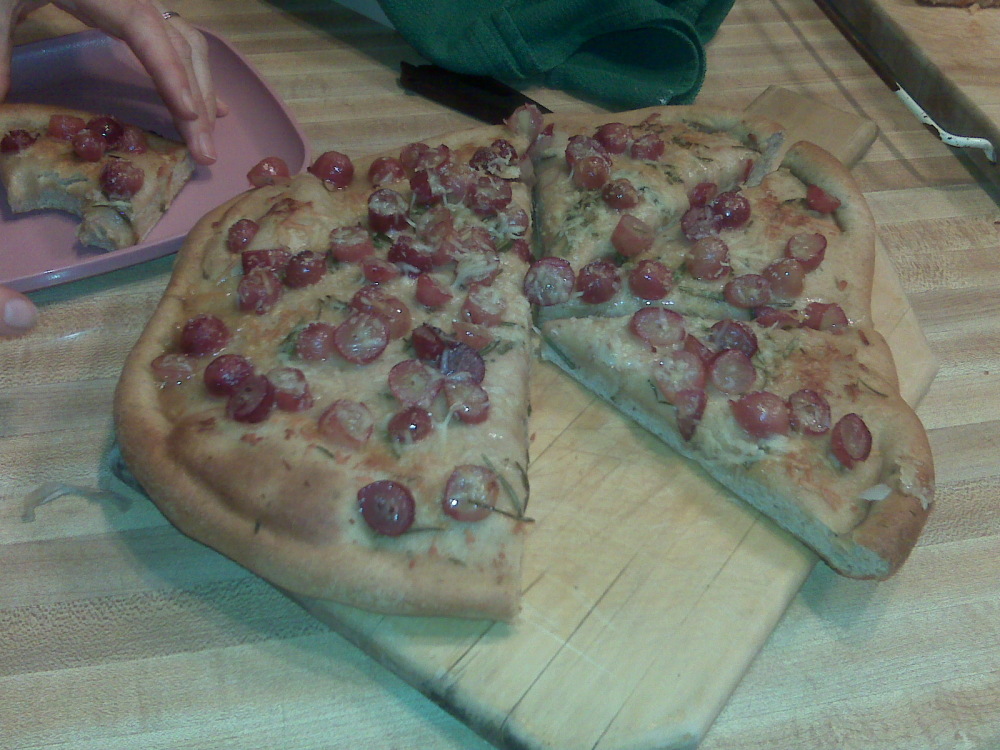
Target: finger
192, 51
18, 313
165, 55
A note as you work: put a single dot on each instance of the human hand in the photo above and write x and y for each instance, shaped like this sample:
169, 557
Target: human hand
173, 52
17, 313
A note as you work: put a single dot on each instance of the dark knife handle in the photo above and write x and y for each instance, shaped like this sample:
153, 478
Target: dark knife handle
481, 97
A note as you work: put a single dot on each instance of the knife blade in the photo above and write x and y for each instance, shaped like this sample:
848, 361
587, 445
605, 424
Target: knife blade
870, 56
481, 97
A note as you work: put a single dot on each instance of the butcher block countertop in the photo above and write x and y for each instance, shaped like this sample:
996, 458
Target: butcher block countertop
118, 632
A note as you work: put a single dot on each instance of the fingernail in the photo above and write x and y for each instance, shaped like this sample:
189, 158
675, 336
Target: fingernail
20, 314
206, 146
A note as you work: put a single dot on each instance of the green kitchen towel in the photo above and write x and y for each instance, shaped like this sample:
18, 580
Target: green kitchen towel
620, 53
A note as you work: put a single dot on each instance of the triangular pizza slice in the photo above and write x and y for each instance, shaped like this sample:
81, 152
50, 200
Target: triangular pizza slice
118, 178
739, 331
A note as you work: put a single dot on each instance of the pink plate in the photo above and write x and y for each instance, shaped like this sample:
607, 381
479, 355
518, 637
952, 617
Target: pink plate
92, 71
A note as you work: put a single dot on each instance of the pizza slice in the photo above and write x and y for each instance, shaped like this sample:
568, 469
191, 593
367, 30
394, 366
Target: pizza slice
118, 178
739, 332
807, 426
334, 389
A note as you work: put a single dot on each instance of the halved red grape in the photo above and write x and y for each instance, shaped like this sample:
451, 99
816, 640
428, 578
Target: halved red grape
819, 200
18, 140
392, 310
484, 305
271, 170
275, 258
225, 372
335, 169
431, 292
650, 280
648, 147
549, 281
411, 254
678, 371
598, 282
121, 179
411, 425
702, 193
747, 291
258, 291
88, 145
429, 342
658, 327
461, 360
378, 270
133, 141
621, 194
386, 170
305, 269
615, 137
387, 507
708, 259
690, 404
632, 236
733, 334
496, 158
700, 221
809, 412
825, 316
252, 400
172, 368
732, 208
851, 440
203, 334
291, 389
488, 196
732, 372
64, 127
387, 211
786, 279
347, 423
314, 342
808, 248
108, 128
581, 147
467, 400
414, 382
361, 338
591, 172
761, 414
241, 234
470, 493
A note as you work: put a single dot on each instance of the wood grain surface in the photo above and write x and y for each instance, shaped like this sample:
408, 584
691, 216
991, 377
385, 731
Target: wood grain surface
118, 632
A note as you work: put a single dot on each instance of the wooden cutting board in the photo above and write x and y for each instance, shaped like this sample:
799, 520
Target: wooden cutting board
947, 59
648, 589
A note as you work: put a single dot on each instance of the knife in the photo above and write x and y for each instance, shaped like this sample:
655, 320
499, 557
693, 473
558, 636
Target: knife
481, 97
883, 72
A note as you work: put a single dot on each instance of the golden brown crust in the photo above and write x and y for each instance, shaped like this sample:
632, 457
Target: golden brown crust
846, 280
49, 175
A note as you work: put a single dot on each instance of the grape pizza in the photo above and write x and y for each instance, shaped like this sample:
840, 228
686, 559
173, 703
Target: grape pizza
334, 389
118, 178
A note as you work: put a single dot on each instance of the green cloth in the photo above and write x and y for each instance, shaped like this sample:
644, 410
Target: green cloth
621, 53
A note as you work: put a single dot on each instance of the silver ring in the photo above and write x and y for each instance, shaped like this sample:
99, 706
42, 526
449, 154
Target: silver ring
168, 14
